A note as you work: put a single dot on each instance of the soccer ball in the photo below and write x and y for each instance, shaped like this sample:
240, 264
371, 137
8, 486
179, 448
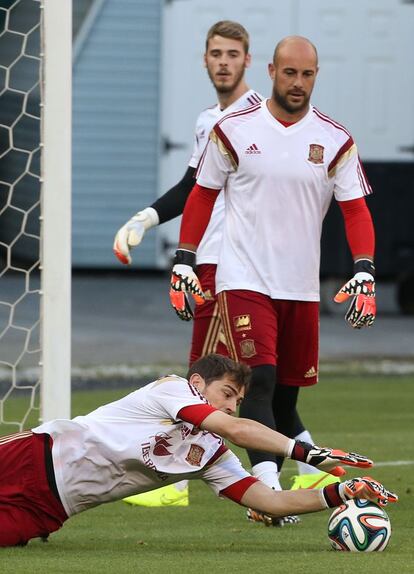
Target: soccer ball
359, 526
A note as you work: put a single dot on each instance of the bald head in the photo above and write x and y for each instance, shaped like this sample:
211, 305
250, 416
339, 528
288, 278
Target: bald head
293, 71
298, 46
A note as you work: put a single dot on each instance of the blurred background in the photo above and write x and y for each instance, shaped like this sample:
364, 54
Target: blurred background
138, 86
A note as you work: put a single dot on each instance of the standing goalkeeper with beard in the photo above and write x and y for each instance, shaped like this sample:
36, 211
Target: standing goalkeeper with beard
280, 163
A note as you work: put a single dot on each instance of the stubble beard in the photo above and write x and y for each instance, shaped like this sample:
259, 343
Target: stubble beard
285, 105
227, 88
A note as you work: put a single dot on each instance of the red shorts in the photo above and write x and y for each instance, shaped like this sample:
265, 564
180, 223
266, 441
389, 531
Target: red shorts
264, 331
208, 335
28, 506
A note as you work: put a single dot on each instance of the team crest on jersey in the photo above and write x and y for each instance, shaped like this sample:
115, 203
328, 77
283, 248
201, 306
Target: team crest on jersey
247, 348
316, 153
195, 454
242, 323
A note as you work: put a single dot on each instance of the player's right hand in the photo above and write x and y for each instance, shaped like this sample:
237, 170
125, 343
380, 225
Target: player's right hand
130, 235
185, 283
328, 459
367, 488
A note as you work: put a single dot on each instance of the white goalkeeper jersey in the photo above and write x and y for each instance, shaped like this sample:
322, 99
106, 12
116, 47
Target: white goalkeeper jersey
139, 443
209, 247
279, 182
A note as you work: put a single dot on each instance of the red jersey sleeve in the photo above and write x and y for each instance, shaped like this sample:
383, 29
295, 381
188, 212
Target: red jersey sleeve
358, 227
195, 414
236, 490
197, 213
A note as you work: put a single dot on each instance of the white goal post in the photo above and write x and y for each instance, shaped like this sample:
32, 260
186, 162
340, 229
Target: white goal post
35, 211
56, 209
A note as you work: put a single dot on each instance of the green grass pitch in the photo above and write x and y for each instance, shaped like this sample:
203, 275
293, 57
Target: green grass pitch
372, 415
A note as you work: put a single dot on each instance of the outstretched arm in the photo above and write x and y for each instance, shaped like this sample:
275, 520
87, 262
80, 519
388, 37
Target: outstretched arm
251, 434
290, 502
250, 492
282, 503
255, 436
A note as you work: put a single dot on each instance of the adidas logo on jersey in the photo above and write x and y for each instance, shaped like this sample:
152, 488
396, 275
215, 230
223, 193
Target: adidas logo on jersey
311, 373
252, 149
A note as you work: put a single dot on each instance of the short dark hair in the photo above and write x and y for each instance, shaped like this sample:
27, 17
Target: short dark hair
231, 30
214, 367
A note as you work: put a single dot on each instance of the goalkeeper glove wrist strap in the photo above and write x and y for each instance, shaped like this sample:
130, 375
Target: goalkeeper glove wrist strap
300, 451
185, 257
331, 495
365, 266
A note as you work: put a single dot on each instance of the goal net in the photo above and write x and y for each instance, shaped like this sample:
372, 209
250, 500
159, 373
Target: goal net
26, 207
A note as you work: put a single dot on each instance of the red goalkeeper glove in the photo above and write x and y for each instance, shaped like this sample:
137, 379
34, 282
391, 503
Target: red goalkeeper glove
327, 459
184, 282
366, 488
361, 288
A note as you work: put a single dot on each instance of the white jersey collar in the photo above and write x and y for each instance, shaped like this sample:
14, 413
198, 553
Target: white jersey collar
255, 97
280, 127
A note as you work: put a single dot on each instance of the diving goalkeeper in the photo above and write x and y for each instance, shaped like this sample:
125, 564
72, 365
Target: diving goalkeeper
171, 429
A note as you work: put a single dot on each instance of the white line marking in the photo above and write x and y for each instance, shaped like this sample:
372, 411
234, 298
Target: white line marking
394, 463
376, 464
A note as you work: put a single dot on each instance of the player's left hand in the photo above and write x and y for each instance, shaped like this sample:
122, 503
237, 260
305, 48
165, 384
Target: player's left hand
361, 288
328, 459
185, 283
367, 488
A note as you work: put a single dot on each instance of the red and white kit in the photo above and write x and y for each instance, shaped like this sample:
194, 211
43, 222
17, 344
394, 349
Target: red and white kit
145, 440
207, 332
278, 182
